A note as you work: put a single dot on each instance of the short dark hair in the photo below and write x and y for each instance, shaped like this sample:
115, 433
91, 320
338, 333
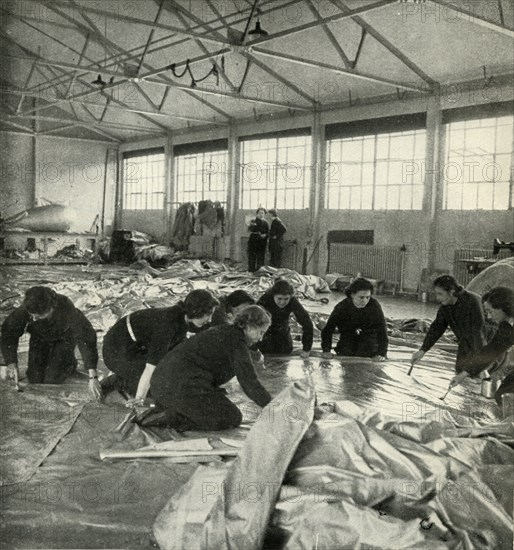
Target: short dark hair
39, 300
252, 316
199, 303
238, 297
502, 298
357, 285
273, 212
281, 287
260, 208
447, 283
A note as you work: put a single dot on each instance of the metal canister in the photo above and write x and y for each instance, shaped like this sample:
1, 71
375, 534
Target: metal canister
488, 389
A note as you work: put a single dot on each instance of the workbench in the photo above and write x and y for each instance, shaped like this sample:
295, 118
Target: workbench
40, 248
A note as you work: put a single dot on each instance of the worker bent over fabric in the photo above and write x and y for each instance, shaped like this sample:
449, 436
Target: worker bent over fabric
461, 311
55, 326
280, 302
186, 383
230, 306
137, 342
361, 324
494, 357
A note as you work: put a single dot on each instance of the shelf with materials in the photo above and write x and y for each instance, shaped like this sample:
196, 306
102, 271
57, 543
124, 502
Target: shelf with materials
40, 248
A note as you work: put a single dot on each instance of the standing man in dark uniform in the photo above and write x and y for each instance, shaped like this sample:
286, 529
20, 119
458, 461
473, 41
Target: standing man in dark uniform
55, 326
276, 239
279, 302
137, 342
462, 312
259, 230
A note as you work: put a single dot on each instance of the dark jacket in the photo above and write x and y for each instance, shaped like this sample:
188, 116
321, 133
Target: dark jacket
502, 340
220, 315
206, 361
67, 323
348, 319
465, 318
277, 230
280, 318
256, 227
157, 331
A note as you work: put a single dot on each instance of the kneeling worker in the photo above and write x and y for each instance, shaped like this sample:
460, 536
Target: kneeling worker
55, 326
499, 306
137, 342
186, 383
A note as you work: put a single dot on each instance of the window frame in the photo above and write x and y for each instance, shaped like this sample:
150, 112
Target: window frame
276, 179
151, 197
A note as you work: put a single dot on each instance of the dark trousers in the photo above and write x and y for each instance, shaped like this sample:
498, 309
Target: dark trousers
127, 359
256, 254
276, 247
277, 340
358, 345
50, 362
207, 409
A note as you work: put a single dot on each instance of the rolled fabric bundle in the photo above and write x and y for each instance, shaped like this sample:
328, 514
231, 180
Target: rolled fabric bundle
57, 218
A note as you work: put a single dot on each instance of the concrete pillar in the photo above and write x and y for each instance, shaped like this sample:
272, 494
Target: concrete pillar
233, 189
317, 193
169, 185
433, 196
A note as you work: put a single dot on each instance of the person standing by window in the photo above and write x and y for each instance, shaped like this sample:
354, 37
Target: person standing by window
259, 230
276, 239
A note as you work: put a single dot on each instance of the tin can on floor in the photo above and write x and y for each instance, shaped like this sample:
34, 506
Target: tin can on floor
488, 389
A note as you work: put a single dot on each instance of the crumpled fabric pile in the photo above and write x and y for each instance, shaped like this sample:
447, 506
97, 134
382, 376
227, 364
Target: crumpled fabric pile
347, 477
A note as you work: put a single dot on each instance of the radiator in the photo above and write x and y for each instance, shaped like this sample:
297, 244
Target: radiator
383, 263
289, 254
460, 269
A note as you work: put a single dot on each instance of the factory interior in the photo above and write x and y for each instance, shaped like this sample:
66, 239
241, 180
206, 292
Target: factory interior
156, 150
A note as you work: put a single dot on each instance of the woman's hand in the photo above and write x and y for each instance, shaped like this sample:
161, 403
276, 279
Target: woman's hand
378, 358
416, 356
257, 358
456, 380
9, 372
95, 389
135, 402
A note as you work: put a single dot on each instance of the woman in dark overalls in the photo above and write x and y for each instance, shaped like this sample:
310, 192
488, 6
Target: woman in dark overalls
259, 230
186, 383
137, 342
361, 324
55, 326
280, 302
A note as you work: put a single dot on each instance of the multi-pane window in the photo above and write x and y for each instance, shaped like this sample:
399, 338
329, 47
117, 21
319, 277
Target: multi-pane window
201, 176
380, 172
143, 181
478, 164
276, 172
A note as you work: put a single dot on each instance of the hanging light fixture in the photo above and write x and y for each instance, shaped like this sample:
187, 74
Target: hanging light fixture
99, 81
258, 30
